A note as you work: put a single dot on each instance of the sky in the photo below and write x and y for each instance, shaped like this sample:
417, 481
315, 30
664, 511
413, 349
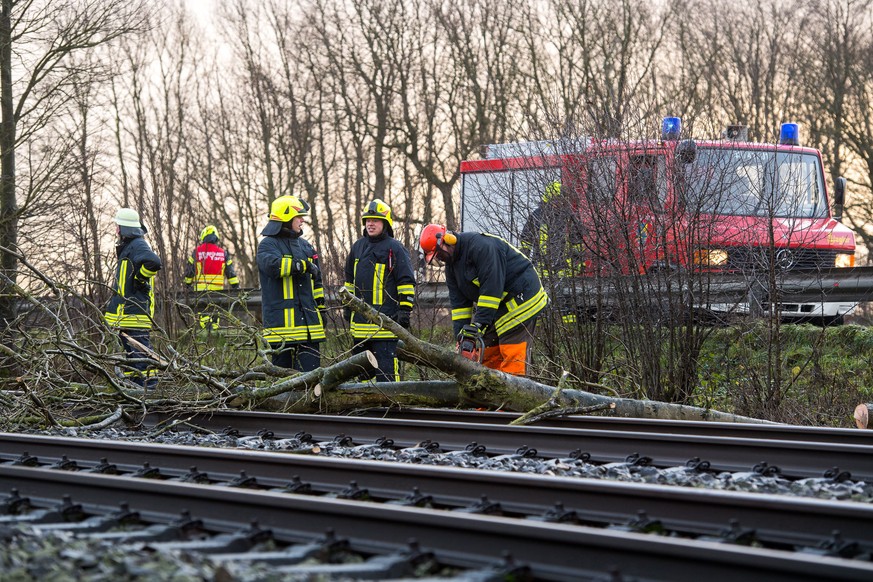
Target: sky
203, 9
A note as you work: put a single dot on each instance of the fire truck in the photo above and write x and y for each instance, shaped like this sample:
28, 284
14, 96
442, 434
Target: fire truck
725, 205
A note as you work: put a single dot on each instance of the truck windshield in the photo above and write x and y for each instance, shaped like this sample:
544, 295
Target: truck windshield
755, 183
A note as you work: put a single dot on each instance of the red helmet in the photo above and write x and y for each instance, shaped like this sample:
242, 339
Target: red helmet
429, 239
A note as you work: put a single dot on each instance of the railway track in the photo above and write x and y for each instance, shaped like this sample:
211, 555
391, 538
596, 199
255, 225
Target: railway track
697, 428
798, 453
455, 528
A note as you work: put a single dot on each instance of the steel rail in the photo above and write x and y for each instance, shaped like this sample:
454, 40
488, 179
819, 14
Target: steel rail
796, 459
784, 432
553, 551
776, 519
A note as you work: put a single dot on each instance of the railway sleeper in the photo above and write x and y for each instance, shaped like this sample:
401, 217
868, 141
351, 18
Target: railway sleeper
240, 541
325, 549
409, 562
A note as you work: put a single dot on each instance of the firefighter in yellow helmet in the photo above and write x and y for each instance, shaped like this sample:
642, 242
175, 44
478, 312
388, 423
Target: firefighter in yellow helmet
552, 235
378, 272
131, 309
494, 292
553, 238
292, 295
208, 267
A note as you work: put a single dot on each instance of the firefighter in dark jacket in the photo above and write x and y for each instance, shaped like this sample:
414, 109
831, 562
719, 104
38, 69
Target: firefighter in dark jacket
494, 292
292, 295
553, 239
378, 272
208, 266
131, 309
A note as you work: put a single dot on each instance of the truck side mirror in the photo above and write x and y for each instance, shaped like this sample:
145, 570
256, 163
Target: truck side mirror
839, 197
686, 151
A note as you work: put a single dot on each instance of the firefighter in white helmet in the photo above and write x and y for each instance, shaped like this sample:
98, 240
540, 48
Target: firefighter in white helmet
131, 309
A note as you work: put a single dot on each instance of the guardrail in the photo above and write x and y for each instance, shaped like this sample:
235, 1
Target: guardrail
801, 286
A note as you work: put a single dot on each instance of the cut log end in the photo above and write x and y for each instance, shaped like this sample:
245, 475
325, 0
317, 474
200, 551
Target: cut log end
317, 391
862, 415
371, 357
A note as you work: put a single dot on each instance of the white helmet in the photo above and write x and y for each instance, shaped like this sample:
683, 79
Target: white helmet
127, 217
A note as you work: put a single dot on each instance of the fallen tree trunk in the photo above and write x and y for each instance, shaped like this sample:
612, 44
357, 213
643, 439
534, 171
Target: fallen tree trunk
304, 386
862, 415
482, 386
359, 396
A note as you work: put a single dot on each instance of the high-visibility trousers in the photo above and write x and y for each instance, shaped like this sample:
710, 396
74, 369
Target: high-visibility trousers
511, 352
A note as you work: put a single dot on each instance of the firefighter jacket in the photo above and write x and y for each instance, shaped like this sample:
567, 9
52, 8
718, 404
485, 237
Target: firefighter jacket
492, 283
378, 272
132, 305
553, 238
290, 299
208, 266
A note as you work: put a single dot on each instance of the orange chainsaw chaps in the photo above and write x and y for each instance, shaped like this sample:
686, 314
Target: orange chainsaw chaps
509, 358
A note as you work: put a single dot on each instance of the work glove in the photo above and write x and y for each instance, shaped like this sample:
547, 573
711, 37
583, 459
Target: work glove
298, 267
320, 304
347, 313
402, 318
312, 268
471, 331
140, 284
469, 340
234, 285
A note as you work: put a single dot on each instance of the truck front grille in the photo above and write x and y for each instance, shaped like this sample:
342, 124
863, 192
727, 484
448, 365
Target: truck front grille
757, 259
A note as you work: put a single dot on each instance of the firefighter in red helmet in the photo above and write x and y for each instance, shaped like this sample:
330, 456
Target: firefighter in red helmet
494, 292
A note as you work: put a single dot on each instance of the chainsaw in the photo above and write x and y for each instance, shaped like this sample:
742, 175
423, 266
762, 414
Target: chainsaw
471, 345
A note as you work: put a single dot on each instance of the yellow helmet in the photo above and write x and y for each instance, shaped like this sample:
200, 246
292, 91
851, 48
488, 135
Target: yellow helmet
552, 191
378, 209
282, 211
285, 208
207, 231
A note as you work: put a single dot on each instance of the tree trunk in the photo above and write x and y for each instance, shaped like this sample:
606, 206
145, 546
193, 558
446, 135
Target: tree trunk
310, 383
8, 203
428, 394
480, 386
862, 415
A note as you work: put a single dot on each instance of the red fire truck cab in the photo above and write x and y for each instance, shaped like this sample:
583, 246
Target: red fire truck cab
722, 205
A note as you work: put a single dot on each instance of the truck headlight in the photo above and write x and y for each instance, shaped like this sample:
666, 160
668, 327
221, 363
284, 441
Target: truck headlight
844, 260
711, 257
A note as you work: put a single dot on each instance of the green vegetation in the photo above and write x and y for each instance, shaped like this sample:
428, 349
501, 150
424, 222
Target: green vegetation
822, 374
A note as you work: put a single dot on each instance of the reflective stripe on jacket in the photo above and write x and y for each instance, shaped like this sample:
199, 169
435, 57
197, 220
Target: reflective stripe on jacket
208, 266
492, 283
132, 305
378, 272
288, 302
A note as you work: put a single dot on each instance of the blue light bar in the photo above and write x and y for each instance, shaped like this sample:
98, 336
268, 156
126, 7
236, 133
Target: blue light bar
670, 128
789, 134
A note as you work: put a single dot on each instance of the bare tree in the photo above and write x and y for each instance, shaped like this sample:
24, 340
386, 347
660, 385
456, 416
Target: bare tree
605, 63
37, 39
837, 89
